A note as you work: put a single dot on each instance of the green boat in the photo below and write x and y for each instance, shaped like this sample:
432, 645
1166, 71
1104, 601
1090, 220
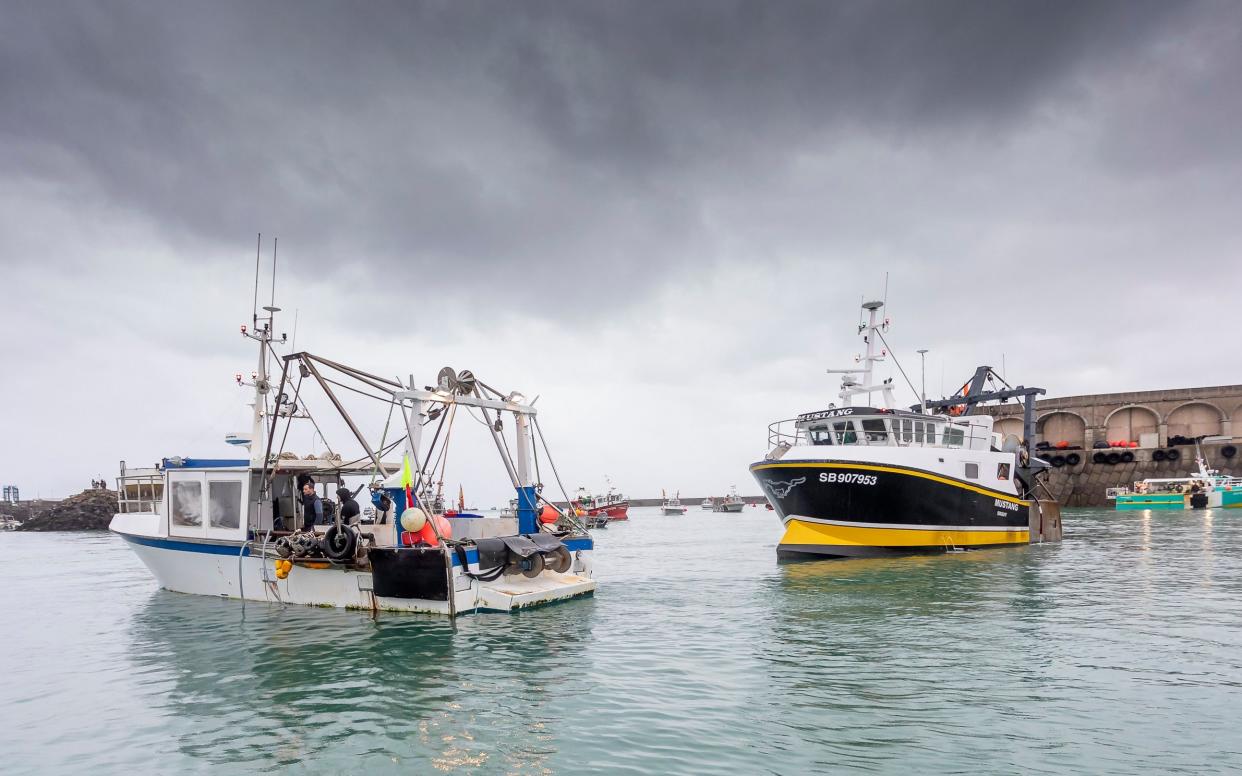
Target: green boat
1208, 489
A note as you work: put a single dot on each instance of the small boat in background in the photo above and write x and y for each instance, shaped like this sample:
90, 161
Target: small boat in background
673, 506
1207, 489
730, 503
709, 504
612, 504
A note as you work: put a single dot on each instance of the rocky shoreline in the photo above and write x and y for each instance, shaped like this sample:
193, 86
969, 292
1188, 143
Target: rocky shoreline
90, 510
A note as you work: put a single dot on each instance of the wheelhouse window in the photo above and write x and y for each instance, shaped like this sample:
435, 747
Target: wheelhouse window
224, 503
907, 430
954, 437
844, 432
187, 503
875, 430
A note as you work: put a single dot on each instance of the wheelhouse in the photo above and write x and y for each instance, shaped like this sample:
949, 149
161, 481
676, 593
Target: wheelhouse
868, 426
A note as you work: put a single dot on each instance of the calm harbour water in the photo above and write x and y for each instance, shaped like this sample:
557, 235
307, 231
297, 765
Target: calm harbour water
1118, 651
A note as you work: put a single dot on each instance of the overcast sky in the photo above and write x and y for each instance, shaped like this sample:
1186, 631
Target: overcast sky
659, 217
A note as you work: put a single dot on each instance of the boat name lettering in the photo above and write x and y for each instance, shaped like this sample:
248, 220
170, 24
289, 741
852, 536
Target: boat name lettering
826, 414
846, 478
1006, 505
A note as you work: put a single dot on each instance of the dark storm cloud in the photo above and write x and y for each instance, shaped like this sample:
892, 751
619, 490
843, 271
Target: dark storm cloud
445, 140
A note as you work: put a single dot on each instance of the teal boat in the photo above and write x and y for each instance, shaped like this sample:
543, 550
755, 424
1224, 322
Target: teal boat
1208, 489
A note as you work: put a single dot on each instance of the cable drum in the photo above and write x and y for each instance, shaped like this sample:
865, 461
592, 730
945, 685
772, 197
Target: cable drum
531, 566
559, 560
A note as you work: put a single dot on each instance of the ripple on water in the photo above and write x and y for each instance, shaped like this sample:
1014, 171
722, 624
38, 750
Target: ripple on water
1115, 652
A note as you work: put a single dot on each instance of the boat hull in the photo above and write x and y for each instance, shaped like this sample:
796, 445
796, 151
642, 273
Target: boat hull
844, 509
612, 511
229, 570
728, 508
674, 510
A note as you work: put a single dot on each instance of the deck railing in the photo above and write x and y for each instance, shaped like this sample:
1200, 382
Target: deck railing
139, 493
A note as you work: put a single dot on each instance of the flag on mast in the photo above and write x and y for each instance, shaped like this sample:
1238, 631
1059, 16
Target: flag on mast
407, 482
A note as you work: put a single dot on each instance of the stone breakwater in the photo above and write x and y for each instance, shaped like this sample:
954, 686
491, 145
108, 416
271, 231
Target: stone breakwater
90, 510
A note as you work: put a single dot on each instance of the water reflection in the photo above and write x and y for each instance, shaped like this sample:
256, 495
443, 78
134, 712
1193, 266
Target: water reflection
286, 685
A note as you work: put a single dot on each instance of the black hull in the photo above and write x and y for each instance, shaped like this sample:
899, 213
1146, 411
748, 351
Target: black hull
842, 509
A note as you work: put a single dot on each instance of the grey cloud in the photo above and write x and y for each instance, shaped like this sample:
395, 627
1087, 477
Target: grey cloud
438, 141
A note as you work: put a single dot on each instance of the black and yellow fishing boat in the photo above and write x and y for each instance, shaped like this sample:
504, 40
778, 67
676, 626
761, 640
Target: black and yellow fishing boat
876, 481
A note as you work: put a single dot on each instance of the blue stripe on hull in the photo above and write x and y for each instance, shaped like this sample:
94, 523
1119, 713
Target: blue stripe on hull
472, 555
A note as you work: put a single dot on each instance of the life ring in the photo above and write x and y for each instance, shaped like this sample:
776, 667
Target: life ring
1172, 455
1229, 451
1158, 455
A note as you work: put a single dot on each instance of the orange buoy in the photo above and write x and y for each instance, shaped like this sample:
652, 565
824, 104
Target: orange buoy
548, 514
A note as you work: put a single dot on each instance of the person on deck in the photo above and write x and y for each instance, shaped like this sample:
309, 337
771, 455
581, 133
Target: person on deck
349, 508
312, 506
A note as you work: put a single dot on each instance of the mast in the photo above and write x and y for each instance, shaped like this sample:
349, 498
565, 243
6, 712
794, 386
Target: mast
850, 383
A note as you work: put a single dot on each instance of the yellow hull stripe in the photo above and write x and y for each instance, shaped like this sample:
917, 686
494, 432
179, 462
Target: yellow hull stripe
894, 470
802, 532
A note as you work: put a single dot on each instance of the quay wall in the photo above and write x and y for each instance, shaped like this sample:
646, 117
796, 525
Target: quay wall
1084, 485
1149, 418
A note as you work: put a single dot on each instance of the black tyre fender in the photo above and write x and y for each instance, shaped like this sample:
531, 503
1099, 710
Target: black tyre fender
1158, 455
1073, 459
340, 544
1114, 458
1172, 455
1058, 461
1127, 457
1099, 458
1229, 451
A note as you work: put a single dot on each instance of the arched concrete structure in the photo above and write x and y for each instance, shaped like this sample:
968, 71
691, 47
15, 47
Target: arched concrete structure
1195, 418
1008, 427
1177, 410
1062, 426
1129, 423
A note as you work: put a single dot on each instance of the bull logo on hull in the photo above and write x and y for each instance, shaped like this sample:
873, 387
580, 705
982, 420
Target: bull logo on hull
781, 488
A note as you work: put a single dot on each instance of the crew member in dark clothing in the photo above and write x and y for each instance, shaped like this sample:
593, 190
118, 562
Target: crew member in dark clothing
349, 508
312, 505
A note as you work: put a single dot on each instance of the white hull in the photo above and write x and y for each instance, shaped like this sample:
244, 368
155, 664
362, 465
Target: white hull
220, 570
729, 507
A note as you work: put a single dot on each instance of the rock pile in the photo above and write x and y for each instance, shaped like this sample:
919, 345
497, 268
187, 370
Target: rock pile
90, 510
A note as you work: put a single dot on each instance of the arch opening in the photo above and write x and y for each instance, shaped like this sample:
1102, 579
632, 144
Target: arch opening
1195, 419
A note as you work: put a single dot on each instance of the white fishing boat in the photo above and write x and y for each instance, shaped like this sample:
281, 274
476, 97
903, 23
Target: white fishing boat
730, 502
876, 481
708, 503
9, 523
236, 528
672, 506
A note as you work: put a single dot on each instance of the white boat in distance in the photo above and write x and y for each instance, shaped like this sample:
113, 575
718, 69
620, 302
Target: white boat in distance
731, 502
673, 506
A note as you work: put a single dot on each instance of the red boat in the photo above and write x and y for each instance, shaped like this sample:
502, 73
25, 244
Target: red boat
612, 504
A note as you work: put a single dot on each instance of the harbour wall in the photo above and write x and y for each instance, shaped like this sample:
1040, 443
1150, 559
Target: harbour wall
1151, 419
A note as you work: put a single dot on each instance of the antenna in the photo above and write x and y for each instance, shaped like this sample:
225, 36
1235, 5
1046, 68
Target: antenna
254, 310
294, 347
886, 289
274, 241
